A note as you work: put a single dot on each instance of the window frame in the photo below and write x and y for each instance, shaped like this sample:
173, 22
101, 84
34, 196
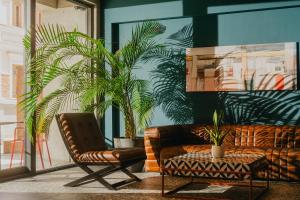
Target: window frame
29, 22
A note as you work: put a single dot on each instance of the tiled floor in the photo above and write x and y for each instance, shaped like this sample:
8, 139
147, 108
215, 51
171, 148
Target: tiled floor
50, 186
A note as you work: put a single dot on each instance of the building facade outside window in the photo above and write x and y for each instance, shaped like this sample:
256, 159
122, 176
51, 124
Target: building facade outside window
12, 78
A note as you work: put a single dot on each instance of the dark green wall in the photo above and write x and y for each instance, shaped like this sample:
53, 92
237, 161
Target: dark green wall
118, 3
228, 23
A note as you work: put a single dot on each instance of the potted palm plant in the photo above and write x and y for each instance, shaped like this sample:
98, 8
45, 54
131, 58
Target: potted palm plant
217, 135
131, 94
85, 71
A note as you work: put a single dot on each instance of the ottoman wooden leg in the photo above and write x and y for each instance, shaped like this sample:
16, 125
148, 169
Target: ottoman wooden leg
250, 188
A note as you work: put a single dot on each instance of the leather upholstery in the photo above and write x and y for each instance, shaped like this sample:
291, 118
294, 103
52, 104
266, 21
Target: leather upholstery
280, 144
85, 143
112, 156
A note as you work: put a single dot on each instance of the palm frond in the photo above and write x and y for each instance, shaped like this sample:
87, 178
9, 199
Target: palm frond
62, 57
77, 62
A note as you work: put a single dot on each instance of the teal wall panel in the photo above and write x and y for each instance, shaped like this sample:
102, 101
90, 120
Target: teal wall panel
145, 69
123, 3
245, 7
259, 27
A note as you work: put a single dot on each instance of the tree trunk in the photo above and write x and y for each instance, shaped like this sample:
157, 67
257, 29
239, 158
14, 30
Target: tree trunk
130, 131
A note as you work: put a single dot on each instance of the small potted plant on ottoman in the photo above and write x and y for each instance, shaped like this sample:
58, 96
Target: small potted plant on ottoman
217, 135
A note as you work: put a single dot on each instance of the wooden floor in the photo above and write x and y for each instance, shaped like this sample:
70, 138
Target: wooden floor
50, 187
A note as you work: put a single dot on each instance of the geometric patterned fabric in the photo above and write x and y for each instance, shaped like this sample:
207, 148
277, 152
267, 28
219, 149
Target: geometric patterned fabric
231, 166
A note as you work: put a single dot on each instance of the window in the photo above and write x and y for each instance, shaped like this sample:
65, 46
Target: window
51, 151
14, 19
17, 14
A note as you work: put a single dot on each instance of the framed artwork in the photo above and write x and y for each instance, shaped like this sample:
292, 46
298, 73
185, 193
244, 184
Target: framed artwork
242, 68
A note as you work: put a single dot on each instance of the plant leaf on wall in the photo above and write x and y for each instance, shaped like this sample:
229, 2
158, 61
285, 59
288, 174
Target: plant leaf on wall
169, 76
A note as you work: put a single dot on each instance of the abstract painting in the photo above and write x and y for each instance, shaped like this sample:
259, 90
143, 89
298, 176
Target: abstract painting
242, 67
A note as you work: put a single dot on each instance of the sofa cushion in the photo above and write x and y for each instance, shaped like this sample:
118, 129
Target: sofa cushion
194, 134
247, 135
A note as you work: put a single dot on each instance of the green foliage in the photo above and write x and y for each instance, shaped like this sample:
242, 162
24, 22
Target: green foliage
82, 70
217, 135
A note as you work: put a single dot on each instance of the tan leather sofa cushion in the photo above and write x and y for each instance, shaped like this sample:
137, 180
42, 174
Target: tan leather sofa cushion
247, 135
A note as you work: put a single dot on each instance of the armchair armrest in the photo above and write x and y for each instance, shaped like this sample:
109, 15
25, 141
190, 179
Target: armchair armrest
156, 138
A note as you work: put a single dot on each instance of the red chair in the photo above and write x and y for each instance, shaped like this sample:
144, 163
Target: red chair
40, 139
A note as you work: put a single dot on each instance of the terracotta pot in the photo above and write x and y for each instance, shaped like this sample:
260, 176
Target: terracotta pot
217, 151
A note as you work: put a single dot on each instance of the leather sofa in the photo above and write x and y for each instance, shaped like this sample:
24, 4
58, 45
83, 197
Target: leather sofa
280, 144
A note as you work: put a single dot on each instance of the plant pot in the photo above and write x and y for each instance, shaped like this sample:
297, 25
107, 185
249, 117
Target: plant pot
217, 151
124, 143
130, 143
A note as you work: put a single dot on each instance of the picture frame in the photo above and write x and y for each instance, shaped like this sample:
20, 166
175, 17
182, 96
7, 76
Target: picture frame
242, 68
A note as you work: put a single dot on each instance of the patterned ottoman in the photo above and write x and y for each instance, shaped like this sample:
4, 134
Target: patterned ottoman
232, 166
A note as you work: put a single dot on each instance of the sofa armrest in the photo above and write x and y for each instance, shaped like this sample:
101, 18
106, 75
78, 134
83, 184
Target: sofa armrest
167, 135
156, 138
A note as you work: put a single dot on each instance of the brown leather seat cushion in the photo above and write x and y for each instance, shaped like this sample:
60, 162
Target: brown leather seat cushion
113, 156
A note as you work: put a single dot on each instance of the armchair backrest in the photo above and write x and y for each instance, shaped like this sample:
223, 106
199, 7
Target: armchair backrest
80, 133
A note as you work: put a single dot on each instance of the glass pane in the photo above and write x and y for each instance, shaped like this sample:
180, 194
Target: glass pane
51, 151
12, 74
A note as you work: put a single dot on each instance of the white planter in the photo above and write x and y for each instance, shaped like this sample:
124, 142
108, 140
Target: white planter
124, 143
217, 151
